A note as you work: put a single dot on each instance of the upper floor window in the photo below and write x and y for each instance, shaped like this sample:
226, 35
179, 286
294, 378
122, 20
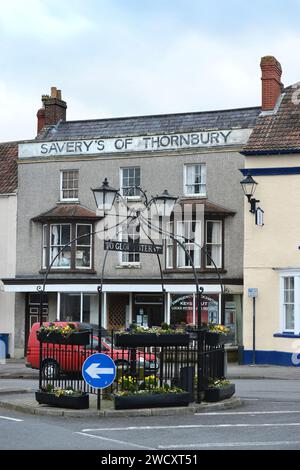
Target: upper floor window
77, 255
130, 234
189, 233
195, 180
213, 243
69, 185
130, 177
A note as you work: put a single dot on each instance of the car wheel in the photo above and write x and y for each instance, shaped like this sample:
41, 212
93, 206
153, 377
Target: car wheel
50, 370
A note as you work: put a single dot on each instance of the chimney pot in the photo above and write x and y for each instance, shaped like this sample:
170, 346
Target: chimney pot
271, 82
54, 110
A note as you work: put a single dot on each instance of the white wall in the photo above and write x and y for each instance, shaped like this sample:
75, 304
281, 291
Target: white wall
8, 218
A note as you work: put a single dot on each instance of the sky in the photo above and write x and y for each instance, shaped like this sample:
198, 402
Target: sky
116, 58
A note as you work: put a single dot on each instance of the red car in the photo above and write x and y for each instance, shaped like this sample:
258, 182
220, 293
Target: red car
59, 359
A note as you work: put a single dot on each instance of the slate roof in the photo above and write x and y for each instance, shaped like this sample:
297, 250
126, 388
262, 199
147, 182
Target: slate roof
209, 206
8, 167
65, 211
279, 131
156, 124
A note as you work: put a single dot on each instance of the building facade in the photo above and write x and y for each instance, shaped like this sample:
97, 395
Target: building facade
271, 259
8, 231
196, 156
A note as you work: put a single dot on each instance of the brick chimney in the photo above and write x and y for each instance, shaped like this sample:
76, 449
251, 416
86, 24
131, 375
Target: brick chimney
54, 110
271, 82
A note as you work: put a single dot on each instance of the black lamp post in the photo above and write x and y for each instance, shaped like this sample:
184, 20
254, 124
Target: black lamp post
105, 196
249, 186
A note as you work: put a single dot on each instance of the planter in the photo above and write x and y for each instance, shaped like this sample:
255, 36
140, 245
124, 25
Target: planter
79, 338
75, 403
152, 400
214, 394
151, 339
217, 339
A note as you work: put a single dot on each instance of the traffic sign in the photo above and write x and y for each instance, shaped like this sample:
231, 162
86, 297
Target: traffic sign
99, 371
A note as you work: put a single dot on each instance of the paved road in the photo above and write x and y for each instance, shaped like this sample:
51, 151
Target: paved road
270, 419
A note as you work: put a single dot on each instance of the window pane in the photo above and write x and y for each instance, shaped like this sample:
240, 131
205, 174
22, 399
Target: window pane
195, 179
70, 307
81, 231
289, 317
83, 258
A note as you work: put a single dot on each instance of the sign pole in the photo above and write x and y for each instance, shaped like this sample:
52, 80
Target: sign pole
253, 347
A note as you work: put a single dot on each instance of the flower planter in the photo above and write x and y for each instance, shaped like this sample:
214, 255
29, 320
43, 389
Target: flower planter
151, 339
64, 401
79, 338
152, 400
214, 394
217, 339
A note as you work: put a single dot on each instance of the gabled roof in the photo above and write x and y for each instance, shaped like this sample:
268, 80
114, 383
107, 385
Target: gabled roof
67, 211
8, 167
278, 131
156, 124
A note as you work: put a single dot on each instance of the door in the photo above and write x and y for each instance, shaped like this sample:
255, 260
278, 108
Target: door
32, 313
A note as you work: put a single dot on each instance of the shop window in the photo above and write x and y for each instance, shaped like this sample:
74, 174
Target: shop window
181, 309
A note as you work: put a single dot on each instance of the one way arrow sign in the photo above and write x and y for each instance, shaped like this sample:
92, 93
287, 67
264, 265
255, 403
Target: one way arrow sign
99, 370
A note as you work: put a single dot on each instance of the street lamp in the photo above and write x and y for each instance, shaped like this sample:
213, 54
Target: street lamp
249, 186
105, 196
164, 204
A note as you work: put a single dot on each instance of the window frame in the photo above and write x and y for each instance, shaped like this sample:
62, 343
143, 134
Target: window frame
192, 244
46, 231
122, 262
68, 199
185, 179
220, 223
131, 198
90, 246
296, 276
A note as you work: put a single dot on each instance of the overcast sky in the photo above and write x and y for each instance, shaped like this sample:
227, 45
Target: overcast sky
135, 57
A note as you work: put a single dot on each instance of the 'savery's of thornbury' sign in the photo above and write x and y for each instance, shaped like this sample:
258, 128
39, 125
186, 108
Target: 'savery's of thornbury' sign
135, 144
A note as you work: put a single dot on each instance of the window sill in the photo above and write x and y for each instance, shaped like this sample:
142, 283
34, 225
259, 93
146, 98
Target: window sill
68, 201
129, 266
69, 271
190, 271
286, 335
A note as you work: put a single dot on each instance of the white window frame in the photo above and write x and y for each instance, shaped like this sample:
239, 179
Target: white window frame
90, 246
50, 247
185, 179
131, 198
220, 245
68, 199
169, 245
197, 266
296, 275
124, 254
44, 245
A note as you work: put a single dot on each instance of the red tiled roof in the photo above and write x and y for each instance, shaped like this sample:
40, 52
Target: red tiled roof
278, 131
8, 167
67, 211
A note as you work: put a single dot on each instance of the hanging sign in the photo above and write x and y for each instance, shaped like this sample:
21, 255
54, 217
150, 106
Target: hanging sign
111, 245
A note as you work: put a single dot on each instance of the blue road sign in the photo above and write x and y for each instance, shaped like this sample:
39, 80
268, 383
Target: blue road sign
99, 370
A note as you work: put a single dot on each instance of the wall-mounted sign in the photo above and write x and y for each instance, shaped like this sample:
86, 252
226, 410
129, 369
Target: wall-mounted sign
111, 245
259, 217
148, 143
252, 292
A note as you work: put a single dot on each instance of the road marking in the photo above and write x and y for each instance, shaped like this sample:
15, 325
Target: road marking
11, 419
115, 441
231, 444
233, 413
194, 426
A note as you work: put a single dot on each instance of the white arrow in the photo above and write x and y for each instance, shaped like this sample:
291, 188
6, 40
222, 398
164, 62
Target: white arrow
94, 370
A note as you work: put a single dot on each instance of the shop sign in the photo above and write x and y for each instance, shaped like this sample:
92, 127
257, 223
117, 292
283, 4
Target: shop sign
147, 248
147, 143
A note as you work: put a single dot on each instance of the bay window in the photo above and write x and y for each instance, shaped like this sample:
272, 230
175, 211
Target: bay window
192, 231
213, 243
77, 255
